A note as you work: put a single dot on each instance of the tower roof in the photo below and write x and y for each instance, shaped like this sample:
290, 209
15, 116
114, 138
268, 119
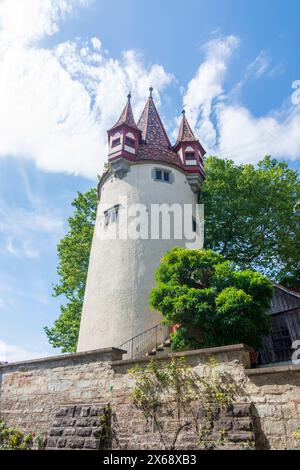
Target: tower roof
153, 131
126, 116
185, 133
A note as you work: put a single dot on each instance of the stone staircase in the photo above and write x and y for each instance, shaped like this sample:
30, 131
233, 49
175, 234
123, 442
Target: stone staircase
161, 350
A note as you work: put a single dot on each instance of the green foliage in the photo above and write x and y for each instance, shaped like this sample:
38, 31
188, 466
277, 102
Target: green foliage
174, 390
14, 439
296, 434
73, 252
213, 303
249, 215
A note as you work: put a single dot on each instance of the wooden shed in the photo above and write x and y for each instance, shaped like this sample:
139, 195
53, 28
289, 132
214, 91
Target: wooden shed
285, 314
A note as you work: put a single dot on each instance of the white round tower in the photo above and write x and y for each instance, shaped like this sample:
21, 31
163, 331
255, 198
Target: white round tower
146, 177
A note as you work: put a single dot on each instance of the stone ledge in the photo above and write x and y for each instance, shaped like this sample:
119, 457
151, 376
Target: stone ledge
272, 370
106, 354
206, 352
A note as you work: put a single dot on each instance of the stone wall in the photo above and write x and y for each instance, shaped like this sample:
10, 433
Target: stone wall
32, 393
275, 393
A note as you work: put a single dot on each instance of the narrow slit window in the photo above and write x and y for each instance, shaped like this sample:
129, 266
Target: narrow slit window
166, 176
158, 174
111, 215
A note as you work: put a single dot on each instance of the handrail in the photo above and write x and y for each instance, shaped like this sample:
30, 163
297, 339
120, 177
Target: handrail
140, 334
141, 344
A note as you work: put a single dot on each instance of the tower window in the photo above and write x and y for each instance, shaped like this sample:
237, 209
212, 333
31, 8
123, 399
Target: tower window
165, 176
111, 215
158, 174
190, 156
130, 142
116, 142
194, 225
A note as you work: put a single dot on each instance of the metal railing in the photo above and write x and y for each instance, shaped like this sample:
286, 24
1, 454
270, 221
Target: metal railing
145, 342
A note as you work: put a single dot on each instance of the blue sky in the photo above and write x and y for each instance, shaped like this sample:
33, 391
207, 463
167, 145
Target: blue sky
65, 69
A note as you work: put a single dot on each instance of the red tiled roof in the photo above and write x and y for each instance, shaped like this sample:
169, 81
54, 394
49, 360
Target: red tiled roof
153, 131
126, 116
185, 133
155, 144
151, 152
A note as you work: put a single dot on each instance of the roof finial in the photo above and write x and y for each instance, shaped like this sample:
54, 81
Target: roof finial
183, 110
129, 96
151, 90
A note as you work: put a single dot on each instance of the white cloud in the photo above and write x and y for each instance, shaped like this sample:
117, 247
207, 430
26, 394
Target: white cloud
234, 132
56, 105
207, 86
256, 137
23, 22
13, 353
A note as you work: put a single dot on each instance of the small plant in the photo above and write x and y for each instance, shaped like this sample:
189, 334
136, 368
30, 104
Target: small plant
14, 439
296, 435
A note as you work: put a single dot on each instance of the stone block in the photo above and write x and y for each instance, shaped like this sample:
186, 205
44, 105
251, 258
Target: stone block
62, 412
83, 422
83, 432
263, 410
69, 431
57, 423
241, 436
75, 443
224, 424
85, 411
243, 409
97, 432
61, 443
243, 424
93, 444
68, 422
56, 432
51, 442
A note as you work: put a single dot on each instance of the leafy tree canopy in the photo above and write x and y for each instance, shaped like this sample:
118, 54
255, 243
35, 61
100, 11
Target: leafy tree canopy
73, 253
250, 216
212, 302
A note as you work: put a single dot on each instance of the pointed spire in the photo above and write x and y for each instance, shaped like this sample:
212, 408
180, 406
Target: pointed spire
127, 115
153, 131
185, 133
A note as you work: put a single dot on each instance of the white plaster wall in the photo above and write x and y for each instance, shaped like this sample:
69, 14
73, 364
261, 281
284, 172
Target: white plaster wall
121, 272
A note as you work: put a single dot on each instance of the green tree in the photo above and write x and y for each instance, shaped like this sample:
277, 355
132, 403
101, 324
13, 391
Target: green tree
213, 303
249, 215
73, 253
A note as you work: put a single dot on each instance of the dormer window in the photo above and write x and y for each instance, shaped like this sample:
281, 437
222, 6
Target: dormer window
130, 142
190, 156
116, 142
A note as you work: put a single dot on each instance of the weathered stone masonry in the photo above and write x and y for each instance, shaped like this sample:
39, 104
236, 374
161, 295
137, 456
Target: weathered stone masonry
33, 393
